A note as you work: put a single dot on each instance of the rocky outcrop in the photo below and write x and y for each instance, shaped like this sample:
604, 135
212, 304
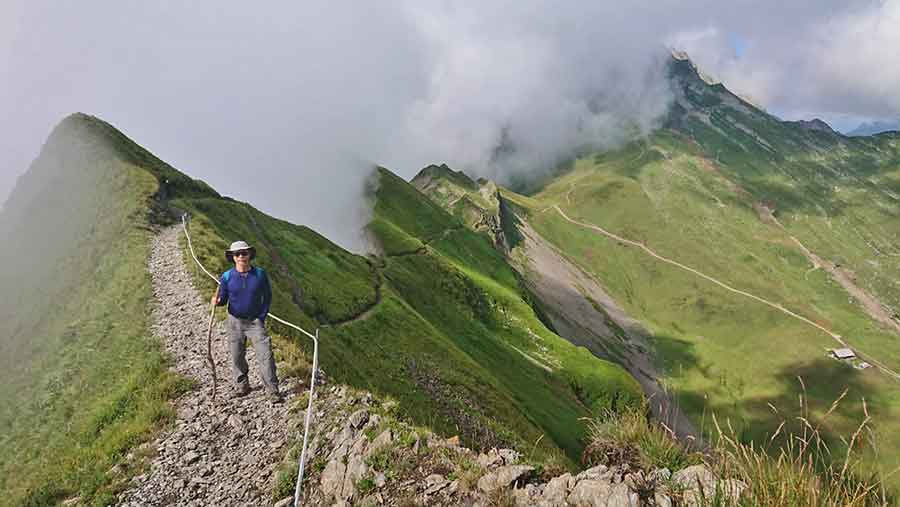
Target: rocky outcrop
362, 455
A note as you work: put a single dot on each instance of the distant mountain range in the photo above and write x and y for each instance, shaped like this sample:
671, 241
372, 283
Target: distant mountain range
870, 128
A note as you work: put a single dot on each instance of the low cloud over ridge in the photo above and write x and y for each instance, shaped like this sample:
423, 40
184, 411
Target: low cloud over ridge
289, 105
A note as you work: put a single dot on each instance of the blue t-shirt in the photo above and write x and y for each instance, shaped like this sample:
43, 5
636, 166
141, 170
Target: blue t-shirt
248, 295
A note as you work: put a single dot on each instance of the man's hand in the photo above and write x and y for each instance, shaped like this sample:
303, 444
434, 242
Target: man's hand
214, 300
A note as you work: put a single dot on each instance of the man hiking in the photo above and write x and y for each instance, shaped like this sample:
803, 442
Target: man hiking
246, 291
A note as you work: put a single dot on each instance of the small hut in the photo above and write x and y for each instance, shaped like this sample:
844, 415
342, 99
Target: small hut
843, 354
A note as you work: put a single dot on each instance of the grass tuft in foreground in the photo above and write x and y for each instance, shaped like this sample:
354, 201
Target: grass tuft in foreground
796, 466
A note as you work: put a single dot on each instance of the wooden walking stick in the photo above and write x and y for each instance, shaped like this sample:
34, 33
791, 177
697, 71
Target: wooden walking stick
209, 357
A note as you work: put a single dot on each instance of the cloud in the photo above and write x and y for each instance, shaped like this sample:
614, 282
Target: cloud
288, 106
834, 61
514, 91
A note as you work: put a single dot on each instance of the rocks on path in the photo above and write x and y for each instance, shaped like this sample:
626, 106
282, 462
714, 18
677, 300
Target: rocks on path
222, 454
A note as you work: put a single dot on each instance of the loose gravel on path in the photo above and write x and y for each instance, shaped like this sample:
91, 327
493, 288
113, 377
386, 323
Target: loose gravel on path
222, 454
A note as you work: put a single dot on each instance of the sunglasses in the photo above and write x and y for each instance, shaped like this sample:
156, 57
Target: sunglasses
242, 253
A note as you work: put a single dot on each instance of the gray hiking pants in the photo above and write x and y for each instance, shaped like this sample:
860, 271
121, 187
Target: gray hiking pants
238, 332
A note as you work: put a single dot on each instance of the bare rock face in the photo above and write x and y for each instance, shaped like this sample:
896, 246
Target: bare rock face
383, 461
696, 477
589, 493
622, 496
503, 477
557, 490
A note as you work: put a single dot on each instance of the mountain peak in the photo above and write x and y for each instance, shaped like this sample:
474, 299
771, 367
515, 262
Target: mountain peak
816, 124
434, 172
875, 127
683, 64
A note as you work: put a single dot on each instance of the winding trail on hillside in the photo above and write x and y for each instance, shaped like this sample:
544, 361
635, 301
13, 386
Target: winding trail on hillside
297, 292
836, 337
221, 453
869, 303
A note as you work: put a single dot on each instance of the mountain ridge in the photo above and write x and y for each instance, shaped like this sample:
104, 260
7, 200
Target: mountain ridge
802, 217
447, 330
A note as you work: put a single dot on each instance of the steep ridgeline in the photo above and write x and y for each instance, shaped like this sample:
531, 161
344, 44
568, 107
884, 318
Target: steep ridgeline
438, 323
81, 382
746, 248
478, 205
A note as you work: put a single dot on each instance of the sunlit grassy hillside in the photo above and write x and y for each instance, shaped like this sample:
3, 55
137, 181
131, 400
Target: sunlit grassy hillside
732, 192
437, 322
775, 209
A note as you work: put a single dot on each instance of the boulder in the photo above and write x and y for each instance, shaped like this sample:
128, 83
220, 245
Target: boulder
358, 418
382, 440
490, 460
527, 496
435, 483
661, 499
557, 490
356, 470
380, 480
332, 479
696, 477
622, 496
503, 477
597, 473
589, 493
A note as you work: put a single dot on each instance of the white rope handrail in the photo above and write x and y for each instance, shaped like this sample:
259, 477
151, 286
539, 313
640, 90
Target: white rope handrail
315, 365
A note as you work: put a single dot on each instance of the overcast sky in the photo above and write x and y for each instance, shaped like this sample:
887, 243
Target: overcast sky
287, 105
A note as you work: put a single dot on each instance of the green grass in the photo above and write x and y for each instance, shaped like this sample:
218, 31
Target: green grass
465, 288
800, 474
444, 334
83, 382
724, 353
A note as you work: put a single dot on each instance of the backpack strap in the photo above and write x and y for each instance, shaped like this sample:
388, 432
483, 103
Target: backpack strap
227, 275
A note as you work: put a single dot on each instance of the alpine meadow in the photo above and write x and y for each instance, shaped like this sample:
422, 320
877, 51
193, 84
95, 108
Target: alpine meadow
706, 313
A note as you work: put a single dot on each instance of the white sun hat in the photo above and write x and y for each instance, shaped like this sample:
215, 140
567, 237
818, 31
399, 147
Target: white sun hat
238, 246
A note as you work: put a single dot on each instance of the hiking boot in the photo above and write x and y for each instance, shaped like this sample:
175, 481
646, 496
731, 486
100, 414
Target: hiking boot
241, 391
276, 397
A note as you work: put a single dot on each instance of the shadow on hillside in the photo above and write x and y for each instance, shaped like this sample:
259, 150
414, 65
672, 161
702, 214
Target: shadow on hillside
809, 198
675, 356
807, 391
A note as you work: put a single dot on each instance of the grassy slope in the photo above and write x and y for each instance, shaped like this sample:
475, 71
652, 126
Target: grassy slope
69, 407
466, 289
436, 331
83, 383
725, 353
433, 334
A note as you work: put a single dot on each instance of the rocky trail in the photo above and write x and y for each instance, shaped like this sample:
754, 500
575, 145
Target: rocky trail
221, 453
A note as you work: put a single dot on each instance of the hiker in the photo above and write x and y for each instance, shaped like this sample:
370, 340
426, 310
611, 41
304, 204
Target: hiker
246, 290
